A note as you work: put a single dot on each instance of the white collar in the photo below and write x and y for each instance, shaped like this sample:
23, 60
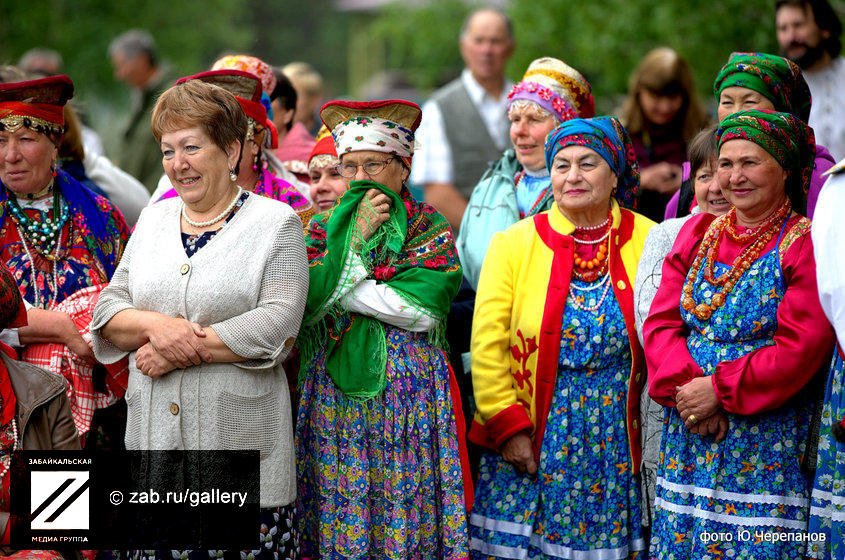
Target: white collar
538, 174
476, 91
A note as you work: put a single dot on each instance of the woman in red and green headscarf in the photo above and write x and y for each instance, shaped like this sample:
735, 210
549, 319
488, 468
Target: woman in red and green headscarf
766, 81
761, 81
733, 340
381, 466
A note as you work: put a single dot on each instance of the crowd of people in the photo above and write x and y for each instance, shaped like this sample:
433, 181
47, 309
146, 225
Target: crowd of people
597, 337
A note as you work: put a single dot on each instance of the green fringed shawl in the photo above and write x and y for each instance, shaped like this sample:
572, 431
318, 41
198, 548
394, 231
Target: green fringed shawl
413, 253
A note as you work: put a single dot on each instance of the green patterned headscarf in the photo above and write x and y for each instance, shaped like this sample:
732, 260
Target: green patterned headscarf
776, 78
788, 139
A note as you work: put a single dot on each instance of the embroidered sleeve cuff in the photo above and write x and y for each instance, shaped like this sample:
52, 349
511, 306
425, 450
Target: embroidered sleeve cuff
508, 423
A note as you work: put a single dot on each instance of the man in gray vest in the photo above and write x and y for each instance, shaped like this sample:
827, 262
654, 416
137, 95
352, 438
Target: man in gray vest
465, 124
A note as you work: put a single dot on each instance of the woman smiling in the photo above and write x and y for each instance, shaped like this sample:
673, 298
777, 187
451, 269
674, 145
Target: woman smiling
205, 351
556, 367
734, 336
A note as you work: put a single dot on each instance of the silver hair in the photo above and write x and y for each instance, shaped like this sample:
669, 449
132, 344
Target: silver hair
135, 42
508, 21
531, 106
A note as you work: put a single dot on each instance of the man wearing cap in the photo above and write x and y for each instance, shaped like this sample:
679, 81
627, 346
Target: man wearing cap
465, 123
133, 56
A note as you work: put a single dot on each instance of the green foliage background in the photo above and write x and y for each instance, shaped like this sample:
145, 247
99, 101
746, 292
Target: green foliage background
603, 39
189, 37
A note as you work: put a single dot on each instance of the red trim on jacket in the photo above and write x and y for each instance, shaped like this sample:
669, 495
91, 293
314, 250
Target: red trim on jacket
549, 352
623, 289
563, 248
460, 424
515, 418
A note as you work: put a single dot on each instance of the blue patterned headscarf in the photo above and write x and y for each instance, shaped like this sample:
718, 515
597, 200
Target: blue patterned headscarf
608, 138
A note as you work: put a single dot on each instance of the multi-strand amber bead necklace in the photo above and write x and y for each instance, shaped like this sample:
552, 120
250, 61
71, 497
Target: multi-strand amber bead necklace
709, 250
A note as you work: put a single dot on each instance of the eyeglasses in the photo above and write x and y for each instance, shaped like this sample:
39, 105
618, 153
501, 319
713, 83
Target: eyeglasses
371, 168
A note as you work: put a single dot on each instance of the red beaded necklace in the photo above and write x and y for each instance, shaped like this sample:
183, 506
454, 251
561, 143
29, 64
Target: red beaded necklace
590, 270
709, 249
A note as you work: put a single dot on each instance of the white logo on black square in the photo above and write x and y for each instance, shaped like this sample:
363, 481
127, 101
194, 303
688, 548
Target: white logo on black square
59, 500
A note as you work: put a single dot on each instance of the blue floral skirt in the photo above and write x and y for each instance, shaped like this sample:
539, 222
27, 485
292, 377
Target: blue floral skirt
585, 502
827, 511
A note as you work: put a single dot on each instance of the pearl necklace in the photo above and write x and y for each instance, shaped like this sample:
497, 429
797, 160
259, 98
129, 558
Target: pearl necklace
596, 227
573, 299
216, 218
592, 241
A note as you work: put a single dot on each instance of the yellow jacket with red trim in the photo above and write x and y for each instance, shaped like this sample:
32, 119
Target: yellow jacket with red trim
516, 328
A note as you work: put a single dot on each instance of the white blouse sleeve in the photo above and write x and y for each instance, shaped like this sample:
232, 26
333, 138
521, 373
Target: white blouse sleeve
649, 272
366, 296
382, 302
828, 233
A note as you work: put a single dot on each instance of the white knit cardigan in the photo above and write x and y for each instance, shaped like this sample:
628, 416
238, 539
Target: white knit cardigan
249, 283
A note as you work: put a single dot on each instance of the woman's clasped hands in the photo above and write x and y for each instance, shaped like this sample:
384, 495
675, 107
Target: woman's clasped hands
698, 406
174, 343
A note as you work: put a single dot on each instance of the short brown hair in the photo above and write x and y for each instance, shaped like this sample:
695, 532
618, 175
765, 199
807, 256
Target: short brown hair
198, 104
703, 148
664, 72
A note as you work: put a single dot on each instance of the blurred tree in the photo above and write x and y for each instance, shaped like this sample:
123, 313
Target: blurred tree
313, 31
422, 40
604, 40
189, 36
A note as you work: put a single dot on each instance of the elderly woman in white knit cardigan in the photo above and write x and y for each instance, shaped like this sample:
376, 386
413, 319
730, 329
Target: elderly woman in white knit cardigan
208, 299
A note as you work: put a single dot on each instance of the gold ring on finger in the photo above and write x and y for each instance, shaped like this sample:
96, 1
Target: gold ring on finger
692, 419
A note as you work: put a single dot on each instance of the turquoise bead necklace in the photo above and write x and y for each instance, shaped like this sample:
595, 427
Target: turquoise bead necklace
45, 233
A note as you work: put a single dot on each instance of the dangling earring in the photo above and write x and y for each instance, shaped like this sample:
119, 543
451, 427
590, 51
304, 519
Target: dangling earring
255, 162
54, 169
232, 175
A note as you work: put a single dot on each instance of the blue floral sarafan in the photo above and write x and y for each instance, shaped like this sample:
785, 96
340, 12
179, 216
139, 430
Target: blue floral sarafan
585, 501
730, 500
827, 511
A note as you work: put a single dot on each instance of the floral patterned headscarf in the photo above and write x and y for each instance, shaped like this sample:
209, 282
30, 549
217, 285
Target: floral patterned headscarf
251, 64
787, 138
383, 125
776, 78
373, 133
608, 138
538, 85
